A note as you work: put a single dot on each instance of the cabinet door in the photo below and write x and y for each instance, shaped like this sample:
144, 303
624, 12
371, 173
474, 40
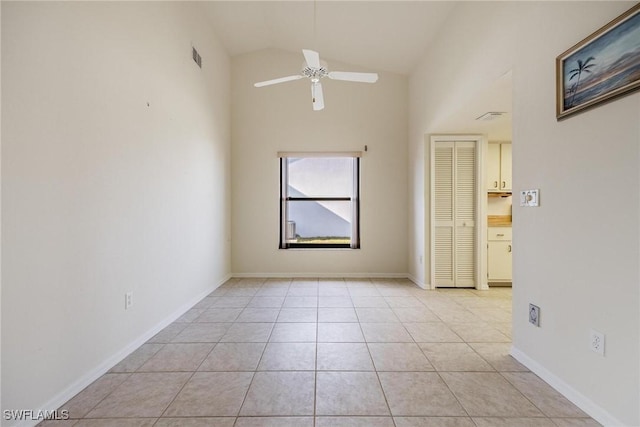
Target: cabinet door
505, 167
499, 261
493, 167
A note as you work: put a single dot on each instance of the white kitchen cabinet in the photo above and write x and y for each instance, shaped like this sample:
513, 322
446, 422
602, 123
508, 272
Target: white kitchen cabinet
499, 254
499, 167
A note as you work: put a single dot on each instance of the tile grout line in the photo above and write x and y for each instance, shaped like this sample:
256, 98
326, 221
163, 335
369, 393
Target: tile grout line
255, 371
375, 369
315, 373
454, 395
129, 374
244, 398
194, 373
524, 396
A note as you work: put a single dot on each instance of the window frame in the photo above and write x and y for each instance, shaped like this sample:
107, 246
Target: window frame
285, 199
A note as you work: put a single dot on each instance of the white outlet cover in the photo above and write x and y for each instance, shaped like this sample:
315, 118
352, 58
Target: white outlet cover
128, 300
529, 198
596, 342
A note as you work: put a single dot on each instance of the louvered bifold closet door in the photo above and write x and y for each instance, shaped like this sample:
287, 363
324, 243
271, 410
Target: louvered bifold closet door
454, 214
465, 214
443, 212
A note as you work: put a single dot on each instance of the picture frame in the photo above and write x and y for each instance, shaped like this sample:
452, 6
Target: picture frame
602, 67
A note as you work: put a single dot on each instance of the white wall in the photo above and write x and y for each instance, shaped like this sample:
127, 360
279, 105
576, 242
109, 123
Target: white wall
469, 54
577, 254
115, 178
499, 205
593, 281
280, 118
0, 221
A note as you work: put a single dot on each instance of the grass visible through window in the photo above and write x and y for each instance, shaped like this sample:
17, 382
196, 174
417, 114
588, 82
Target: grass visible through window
324, 240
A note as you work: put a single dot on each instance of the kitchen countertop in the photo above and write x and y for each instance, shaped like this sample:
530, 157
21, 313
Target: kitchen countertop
499, 220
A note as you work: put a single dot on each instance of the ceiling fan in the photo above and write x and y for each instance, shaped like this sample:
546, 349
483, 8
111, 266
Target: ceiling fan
315, 71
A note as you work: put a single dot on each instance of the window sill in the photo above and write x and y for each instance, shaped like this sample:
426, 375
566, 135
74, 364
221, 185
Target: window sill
319, 249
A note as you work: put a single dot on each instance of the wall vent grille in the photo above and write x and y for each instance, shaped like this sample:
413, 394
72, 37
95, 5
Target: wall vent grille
491, 115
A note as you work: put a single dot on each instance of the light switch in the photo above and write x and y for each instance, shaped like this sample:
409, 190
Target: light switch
529, 198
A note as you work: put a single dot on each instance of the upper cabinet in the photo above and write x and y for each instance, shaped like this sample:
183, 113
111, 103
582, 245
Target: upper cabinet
499, 167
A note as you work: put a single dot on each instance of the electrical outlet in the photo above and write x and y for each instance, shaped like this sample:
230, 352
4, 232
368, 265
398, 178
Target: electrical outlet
128, 300
534, 315
596, 342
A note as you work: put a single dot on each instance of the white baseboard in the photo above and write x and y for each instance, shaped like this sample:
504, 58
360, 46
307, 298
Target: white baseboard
322, 275
581, 401
84, 381
419, 282
334, 276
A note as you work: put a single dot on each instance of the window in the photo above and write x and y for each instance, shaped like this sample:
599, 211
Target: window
319, 200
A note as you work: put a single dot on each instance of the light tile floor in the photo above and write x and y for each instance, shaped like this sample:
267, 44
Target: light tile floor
329, 353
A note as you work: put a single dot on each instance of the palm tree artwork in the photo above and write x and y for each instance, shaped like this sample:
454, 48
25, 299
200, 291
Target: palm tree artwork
583, 67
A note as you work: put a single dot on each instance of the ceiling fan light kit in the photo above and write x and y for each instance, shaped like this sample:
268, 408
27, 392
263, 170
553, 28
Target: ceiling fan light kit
315, 71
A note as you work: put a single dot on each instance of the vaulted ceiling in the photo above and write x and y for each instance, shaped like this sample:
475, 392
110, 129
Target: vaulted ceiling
381, 35
390, 36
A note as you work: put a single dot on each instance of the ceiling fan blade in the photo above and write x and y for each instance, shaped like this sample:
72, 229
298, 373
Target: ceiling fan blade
353, 77
317, 97
312, 58
280, 80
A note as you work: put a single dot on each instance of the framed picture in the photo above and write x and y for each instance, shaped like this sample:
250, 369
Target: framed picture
604, 66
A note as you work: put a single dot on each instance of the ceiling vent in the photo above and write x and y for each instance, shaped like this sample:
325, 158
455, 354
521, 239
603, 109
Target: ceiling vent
491, 115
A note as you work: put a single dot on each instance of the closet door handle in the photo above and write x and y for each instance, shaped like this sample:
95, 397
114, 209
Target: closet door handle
495, 184
504, 184
509, 248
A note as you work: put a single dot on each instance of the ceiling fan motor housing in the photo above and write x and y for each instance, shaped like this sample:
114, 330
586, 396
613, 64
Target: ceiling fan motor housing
315, 74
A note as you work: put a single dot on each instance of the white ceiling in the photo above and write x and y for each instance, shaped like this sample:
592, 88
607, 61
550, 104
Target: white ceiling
381, 35
390, 36
497, 97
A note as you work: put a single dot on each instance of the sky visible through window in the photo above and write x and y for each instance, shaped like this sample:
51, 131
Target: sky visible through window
320, 221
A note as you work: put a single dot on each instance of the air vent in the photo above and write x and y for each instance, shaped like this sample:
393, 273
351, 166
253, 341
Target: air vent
196, 57
491, 115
